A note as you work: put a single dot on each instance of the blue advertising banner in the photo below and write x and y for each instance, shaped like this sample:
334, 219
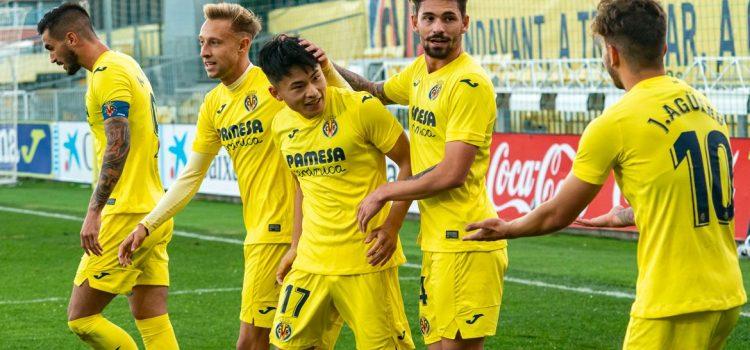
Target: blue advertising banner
35, 149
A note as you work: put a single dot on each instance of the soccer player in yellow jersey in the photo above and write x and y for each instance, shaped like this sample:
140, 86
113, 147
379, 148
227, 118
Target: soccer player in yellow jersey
120, 110
670, 152
334, 142
451, 118
237, 115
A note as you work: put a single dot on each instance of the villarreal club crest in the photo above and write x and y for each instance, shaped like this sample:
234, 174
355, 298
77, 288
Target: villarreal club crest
435, 91
251, 101
283, 331
330, 127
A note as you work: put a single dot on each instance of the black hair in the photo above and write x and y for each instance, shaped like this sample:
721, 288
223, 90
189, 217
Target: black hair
279, 55
638, 28
68, 17
461, 6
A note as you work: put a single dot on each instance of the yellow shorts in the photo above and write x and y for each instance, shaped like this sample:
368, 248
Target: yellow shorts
699, 330
260, 292
370, 304
461, 292
150, 262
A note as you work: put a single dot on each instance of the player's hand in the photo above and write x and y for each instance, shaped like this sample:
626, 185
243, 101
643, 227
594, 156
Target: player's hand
618, 216
285, 265
369, 207
316, 51
90, 233
385, 245
489, 230
130, 244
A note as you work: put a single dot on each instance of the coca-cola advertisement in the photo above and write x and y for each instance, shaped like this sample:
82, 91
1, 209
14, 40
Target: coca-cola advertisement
527, 169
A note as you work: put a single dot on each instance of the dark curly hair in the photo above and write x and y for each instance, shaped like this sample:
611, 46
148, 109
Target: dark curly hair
637, 28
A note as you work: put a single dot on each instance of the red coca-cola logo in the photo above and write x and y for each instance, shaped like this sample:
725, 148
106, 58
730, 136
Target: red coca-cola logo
520, 182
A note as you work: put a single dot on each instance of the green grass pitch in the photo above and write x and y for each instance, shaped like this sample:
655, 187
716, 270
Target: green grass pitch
551, 299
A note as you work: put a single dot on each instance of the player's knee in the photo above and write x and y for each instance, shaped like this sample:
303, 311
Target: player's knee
82, 326
76, 328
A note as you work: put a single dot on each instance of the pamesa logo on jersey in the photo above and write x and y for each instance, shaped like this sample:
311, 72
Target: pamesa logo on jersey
435, 91
330, 127
251, 101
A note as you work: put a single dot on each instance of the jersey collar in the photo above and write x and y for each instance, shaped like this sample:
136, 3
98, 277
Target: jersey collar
237, 83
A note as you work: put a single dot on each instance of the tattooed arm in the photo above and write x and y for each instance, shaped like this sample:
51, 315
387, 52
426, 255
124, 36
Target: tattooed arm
360, 83
117, 131
617, 217
551, 216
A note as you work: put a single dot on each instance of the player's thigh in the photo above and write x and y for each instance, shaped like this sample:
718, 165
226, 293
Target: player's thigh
86, 301
304, 311
372, 306
260, 292
461, 294
104, 272
153, 260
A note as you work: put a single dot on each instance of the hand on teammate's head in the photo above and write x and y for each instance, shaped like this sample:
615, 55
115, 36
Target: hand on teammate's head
316, 51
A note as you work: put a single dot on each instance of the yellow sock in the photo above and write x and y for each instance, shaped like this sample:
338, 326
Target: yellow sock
157, 333
99, 333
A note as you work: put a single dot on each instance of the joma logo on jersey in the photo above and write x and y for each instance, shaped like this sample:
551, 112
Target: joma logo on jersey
324, 156
242, 129
330, 127
251, 101
423, 116
435, 91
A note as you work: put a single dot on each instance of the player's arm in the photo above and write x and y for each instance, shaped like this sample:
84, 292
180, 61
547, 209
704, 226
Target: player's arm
333, 78
618, 216
360, 83
117, 132
288, 259
450, 173
599, 151
177, 197
551, 216
341, 77
111, 89
386, 235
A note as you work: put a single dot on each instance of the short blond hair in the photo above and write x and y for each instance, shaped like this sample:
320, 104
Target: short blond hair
243, 20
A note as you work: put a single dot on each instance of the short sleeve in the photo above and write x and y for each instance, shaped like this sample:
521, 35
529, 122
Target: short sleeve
598, 150
276, 128
379, 126
113, 91
472, 111
206, 138
397, 87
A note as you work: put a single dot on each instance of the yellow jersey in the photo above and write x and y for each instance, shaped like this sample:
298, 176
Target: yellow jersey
117, 87
670, 152
238, 117
338, 159
454, 103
